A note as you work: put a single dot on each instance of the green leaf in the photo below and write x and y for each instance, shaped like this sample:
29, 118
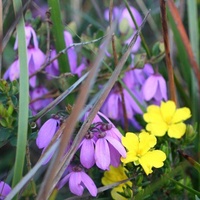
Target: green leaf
58, 33
23, 98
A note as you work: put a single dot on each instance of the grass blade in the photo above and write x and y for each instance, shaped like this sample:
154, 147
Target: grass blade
23, 98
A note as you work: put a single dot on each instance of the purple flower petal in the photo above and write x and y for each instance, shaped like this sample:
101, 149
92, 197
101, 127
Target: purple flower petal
4, 189
102, 154
75, 183
149, 88
87, 153
162, 87
89, 184
14, 70
117, 145
63, 181
115, 156
112, 106
125, 14
46, 133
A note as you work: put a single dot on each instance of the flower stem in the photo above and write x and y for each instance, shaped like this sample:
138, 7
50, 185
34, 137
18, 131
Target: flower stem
167, 51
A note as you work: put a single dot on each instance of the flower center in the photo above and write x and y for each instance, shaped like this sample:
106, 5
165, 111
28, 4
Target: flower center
77, 168
102, 134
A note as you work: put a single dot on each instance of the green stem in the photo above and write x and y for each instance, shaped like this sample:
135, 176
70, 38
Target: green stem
58, 33
23, 98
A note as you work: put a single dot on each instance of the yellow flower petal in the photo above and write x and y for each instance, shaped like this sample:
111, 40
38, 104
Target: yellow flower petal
130, 141
167, 110
113, 175
131, 156
147, 141
158, 129
153, 117
181, 114
152, 159
116, 174
177, 130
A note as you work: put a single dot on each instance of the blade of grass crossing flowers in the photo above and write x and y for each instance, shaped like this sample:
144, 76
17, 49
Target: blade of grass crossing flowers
193, 27
69, 125
23, 98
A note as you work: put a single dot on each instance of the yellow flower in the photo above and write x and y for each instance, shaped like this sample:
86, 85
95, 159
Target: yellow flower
166, 118
115, 175
140, 151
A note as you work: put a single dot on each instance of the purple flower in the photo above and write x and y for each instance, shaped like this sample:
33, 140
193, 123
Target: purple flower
72, 56
140, 75
113, 105
155, 87
101, 145
34, 55
38, 101
4, 190
53, 68
30, 34
78, 181
12, 72
126, 15
46, 132
106, 147
87, 151
35, 60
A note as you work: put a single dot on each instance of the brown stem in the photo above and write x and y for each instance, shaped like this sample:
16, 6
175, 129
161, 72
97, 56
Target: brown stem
167, 51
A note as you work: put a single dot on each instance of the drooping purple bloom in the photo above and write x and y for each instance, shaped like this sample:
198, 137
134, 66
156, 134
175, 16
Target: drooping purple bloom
155, 87
35, 57
46, 132
140, 75
4, 190
30, 34
35, 60
78, 181
103, 152
101, 144
38, 101
113, 105
87, 151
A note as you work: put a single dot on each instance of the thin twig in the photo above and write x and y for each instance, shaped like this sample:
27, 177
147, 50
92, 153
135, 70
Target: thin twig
63, 52
167, 51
